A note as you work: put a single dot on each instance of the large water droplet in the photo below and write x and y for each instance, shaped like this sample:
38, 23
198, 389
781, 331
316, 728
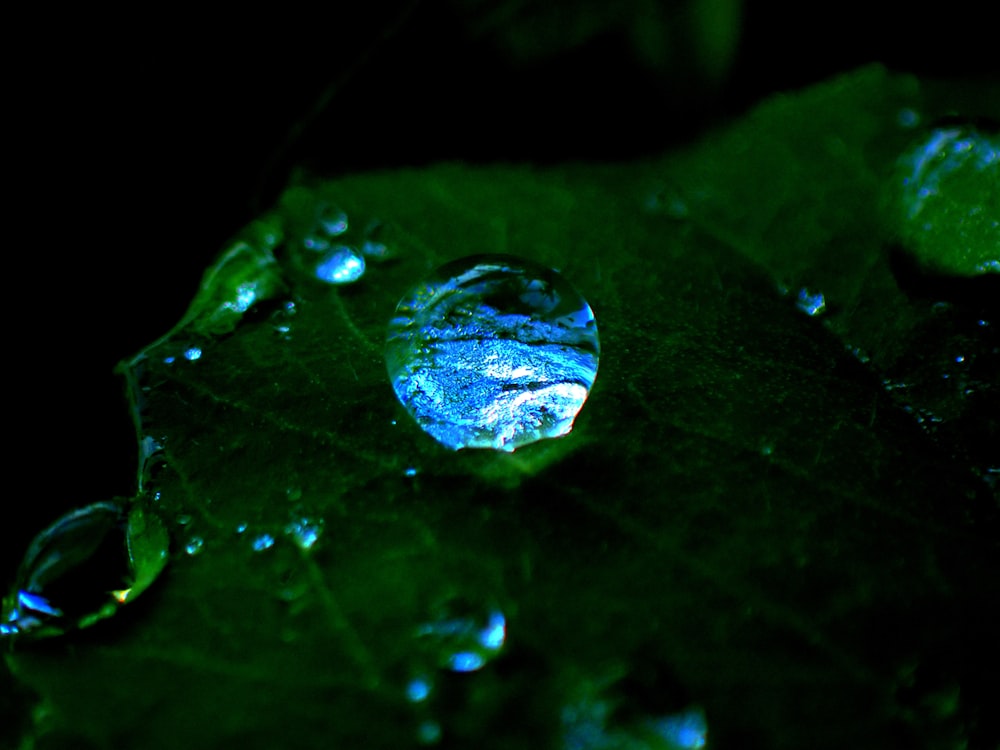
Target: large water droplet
947, 200
493, 352
82, 568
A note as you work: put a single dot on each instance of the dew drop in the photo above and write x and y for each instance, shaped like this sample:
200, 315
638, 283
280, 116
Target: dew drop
463, 638
341, 264
82, 568
493, 351
418, 690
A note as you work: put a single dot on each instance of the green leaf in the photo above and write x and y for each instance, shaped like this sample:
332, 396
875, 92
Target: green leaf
743, 520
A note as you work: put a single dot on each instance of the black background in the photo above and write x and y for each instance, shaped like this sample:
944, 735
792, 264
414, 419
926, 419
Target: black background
136, 145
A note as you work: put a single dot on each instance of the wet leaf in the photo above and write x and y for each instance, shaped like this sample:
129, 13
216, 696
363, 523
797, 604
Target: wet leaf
745, 529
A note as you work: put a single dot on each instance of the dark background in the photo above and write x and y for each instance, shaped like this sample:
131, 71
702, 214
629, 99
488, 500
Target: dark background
136, 146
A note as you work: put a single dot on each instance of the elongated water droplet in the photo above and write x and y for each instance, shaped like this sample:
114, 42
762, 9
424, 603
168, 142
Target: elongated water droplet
341, 264
83, 567
493, 352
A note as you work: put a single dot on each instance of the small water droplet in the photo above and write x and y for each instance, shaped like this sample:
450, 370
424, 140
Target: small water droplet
464, 638
192, 353
195, 545
811, 303
332, 220
418, 689
341, 264
83, 567
263, 542
493, 352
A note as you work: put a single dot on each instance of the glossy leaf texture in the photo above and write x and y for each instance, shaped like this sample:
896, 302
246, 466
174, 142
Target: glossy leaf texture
747, 529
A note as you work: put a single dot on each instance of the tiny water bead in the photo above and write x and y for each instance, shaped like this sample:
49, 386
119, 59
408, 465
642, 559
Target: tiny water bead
493, 351
83, 567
